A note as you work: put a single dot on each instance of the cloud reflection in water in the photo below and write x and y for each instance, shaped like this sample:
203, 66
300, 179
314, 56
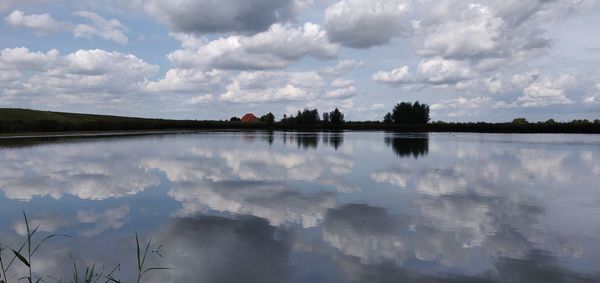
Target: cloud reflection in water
269, 206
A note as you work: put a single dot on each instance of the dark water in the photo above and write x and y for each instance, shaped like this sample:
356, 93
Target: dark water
345, 207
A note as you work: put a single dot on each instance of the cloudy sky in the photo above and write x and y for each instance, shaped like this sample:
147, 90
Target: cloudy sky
489, 60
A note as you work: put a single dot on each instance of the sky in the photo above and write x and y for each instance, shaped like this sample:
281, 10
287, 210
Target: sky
485, 60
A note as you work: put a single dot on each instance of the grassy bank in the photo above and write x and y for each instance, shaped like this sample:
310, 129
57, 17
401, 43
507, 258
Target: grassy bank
25, 120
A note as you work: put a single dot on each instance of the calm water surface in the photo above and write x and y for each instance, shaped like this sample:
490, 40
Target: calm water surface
311, 207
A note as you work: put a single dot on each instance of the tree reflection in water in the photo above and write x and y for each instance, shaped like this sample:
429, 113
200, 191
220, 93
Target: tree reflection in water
416, 145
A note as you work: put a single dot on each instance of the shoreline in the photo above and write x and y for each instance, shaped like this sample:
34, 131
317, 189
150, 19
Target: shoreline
114, 133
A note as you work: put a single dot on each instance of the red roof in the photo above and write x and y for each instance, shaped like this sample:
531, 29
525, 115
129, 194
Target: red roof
249, 118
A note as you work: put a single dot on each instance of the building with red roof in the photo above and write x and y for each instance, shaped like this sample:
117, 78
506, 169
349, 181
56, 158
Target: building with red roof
249, 118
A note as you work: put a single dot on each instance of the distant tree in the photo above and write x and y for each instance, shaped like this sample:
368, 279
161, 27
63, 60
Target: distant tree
549, 121
579, 122
235, 119
268, 118
407, 113
336, 117
520, 121
326, 117
305, 117
597, 122
388, 118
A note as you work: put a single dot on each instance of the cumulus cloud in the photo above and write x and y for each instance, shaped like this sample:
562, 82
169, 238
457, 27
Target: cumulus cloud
473, 34
367, 23
341, 68
400, 75
473, 46
488, 35
463, 106
439, 71
275, 48
435, 72
207, 16
342, 89
21, 58
546, 92
80, 77
341, 93
263, 86
593, 98
45, 24
186, 81
107, 29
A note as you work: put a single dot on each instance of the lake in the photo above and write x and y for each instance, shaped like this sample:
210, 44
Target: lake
308, 207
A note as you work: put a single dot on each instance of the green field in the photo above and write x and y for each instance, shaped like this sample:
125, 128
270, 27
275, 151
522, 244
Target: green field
32, 121
26, 120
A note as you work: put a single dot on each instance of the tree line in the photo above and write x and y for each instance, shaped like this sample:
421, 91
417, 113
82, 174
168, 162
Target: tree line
402, 113
404, 117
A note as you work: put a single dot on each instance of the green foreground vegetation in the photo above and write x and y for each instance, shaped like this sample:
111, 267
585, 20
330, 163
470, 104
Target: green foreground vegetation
405, 117
24, 255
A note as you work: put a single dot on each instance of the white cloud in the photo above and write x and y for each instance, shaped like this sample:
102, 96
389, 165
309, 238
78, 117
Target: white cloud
42, 24
107, 29
342, 83
378, 106
201, 99
399, 76
21, 58
45, 24
186, 80
341, 68
525, 79
438, 71
592, 99
262, 86
367, 23
435, 72
494, 83
81, 77
341, 93
484, 34
473, 33
276, 48
546, 91
463, 106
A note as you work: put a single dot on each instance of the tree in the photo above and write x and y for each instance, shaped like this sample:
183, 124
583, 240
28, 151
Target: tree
306, 117
519, 121
407, 113
326, 117
235, 119
336, 117
388, 118
268, 118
